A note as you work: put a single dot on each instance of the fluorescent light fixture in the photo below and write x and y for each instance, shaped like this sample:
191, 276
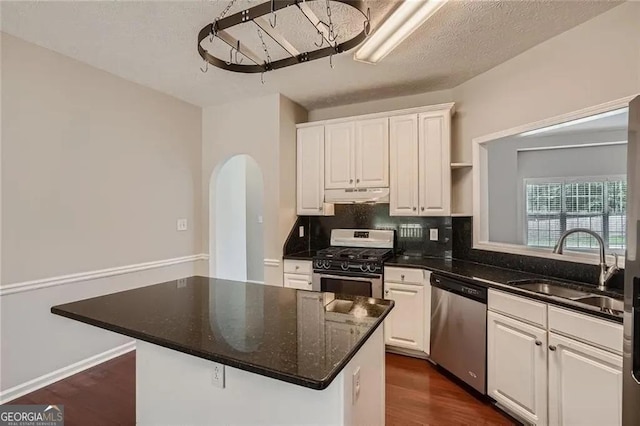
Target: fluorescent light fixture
407, 18
574, 122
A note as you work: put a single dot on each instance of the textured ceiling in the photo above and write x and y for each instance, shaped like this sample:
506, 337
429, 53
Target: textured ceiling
154, 43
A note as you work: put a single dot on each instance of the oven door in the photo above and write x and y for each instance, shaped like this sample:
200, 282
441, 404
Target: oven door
352, 283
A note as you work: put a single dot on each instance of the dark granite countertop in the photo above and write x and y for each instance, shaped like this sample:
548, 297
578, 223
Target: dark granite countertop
272, 331
499, 278
303, 255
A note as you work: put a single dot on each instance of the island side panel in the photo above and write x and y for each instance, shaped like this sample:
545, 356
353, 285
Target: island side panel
368, 406
176, 388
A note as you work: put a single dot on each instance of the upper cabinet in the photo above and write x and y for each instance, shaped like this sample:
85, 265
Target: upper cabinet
339, 154
310, 172
372, 153
434, 163
357, 154
403, 192
408, 152
420, 165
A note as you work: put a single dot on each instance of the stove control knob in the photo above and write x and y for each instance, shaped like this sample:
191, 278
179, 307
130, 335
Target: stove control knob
317, 264
344, 266
363, 267
371, 267
327, 264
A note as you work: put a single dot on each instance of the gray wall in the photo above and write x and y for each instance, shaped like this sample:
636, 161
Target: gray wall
508, 167
255, 231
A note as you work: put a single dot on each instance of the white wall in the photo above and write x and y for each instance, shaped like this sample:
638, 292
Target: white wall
95, 172
263, 128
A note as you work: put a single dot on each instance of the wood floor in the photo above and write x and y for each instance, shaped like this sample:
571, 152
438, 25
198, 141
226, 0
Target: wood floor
417, 394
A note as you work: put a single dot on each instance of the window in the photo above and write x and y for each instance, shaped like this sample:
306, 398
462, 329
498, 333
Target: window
556, 205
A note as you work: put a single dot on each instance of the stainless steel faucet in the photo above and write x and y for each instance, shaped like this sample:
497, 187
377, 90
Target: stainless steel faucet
606, 272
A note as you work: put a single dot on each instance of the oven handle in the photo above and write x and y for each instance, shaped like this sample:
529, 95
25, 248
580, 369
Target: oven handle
351, 275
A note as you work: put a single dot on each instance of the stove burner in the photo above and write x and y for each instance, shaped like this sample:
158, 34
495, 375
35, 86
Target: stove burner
354, 253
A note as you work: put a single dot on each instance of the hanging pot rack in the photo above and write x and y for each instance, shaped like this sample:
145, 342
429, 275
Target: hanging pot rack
255, 64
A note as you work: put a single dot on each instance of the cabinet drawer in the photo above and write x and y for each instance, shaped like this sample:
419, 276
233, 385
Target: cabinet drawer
401, 275
300, 282
297, 267
518, 307
602, 333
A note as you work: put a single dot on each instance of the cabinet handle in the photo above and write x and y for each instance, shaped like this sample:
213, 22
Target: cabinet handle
352, 331
386, 292
402, 277
552, 348
320, 208
414, 209
357, 180
297, 267
350, 180
422, 208
538, 343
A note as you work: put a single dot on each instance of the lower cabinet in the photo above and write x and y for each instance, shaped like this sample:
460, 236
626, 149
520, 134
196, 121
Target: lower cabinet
408, 324
301, 282
555, 366
517, 367
585, 384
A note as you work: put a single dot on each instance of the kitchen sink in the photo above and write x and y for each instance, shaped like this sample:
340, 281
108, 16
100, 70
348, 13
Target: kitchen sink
603, 302
550, 288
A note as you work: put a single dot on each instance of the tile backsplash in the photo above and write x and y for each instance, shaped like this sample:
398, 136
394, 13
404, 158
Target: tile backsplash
412, 233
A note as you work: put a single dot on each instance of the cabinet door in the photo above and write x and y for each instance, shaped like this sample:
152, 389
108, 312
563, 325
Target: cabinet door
301, 282
404, 327
340, 338
585, 384
310, 171
372, 153
403, 167
339, 151
517, 367
434, 153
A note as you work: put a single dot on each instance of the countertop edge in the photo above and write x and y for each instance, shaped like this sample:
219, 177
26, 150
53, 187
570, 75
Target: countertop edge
513, 290
277, 375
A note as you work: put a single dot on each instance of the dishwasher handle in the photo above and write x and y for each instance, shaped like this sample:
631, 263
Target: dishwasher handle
464, 289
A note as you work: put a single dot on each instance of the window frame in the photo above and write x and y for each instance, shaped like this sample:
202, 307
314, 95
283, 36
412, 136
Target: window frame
524, 226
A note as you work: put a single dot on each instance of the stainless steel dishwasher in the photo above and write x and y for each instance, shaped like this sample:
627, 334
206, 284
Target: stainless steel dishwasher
459, 329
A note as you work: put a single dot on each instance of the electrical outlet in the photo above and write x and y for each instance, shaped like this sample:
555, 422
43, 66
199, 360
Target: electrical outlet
356, 385
217, 375
301, 231
181, 225
433, 234
182, 283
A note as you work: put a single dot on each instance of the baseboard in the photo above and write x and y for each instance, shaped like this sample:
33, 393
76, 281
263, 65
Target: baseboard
62, 373
406, 352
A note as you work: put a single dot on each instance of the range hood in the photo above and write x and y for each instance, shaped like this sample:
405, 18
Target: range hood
356, 195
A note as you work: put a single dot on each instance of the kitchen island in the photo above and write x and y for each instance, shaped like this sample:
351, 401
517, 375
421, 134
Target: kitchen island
212, 351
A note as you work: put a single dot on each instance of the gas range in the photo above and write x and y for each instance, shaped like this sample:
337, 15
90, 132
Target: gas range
351, 259
354, 261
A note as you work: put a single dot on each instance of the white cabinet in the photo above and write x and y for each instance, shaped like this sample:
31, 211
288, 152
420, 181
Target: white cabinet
550, 365
408, 324
298, 274
372, 153
403, 157
300, 282
357, 154
339, 155
310, 172
517, 367
585, 384
420, 164
434, 163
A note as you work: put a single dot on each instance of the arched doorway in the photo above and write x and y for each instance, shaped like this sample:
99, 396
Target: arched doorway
236, 220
